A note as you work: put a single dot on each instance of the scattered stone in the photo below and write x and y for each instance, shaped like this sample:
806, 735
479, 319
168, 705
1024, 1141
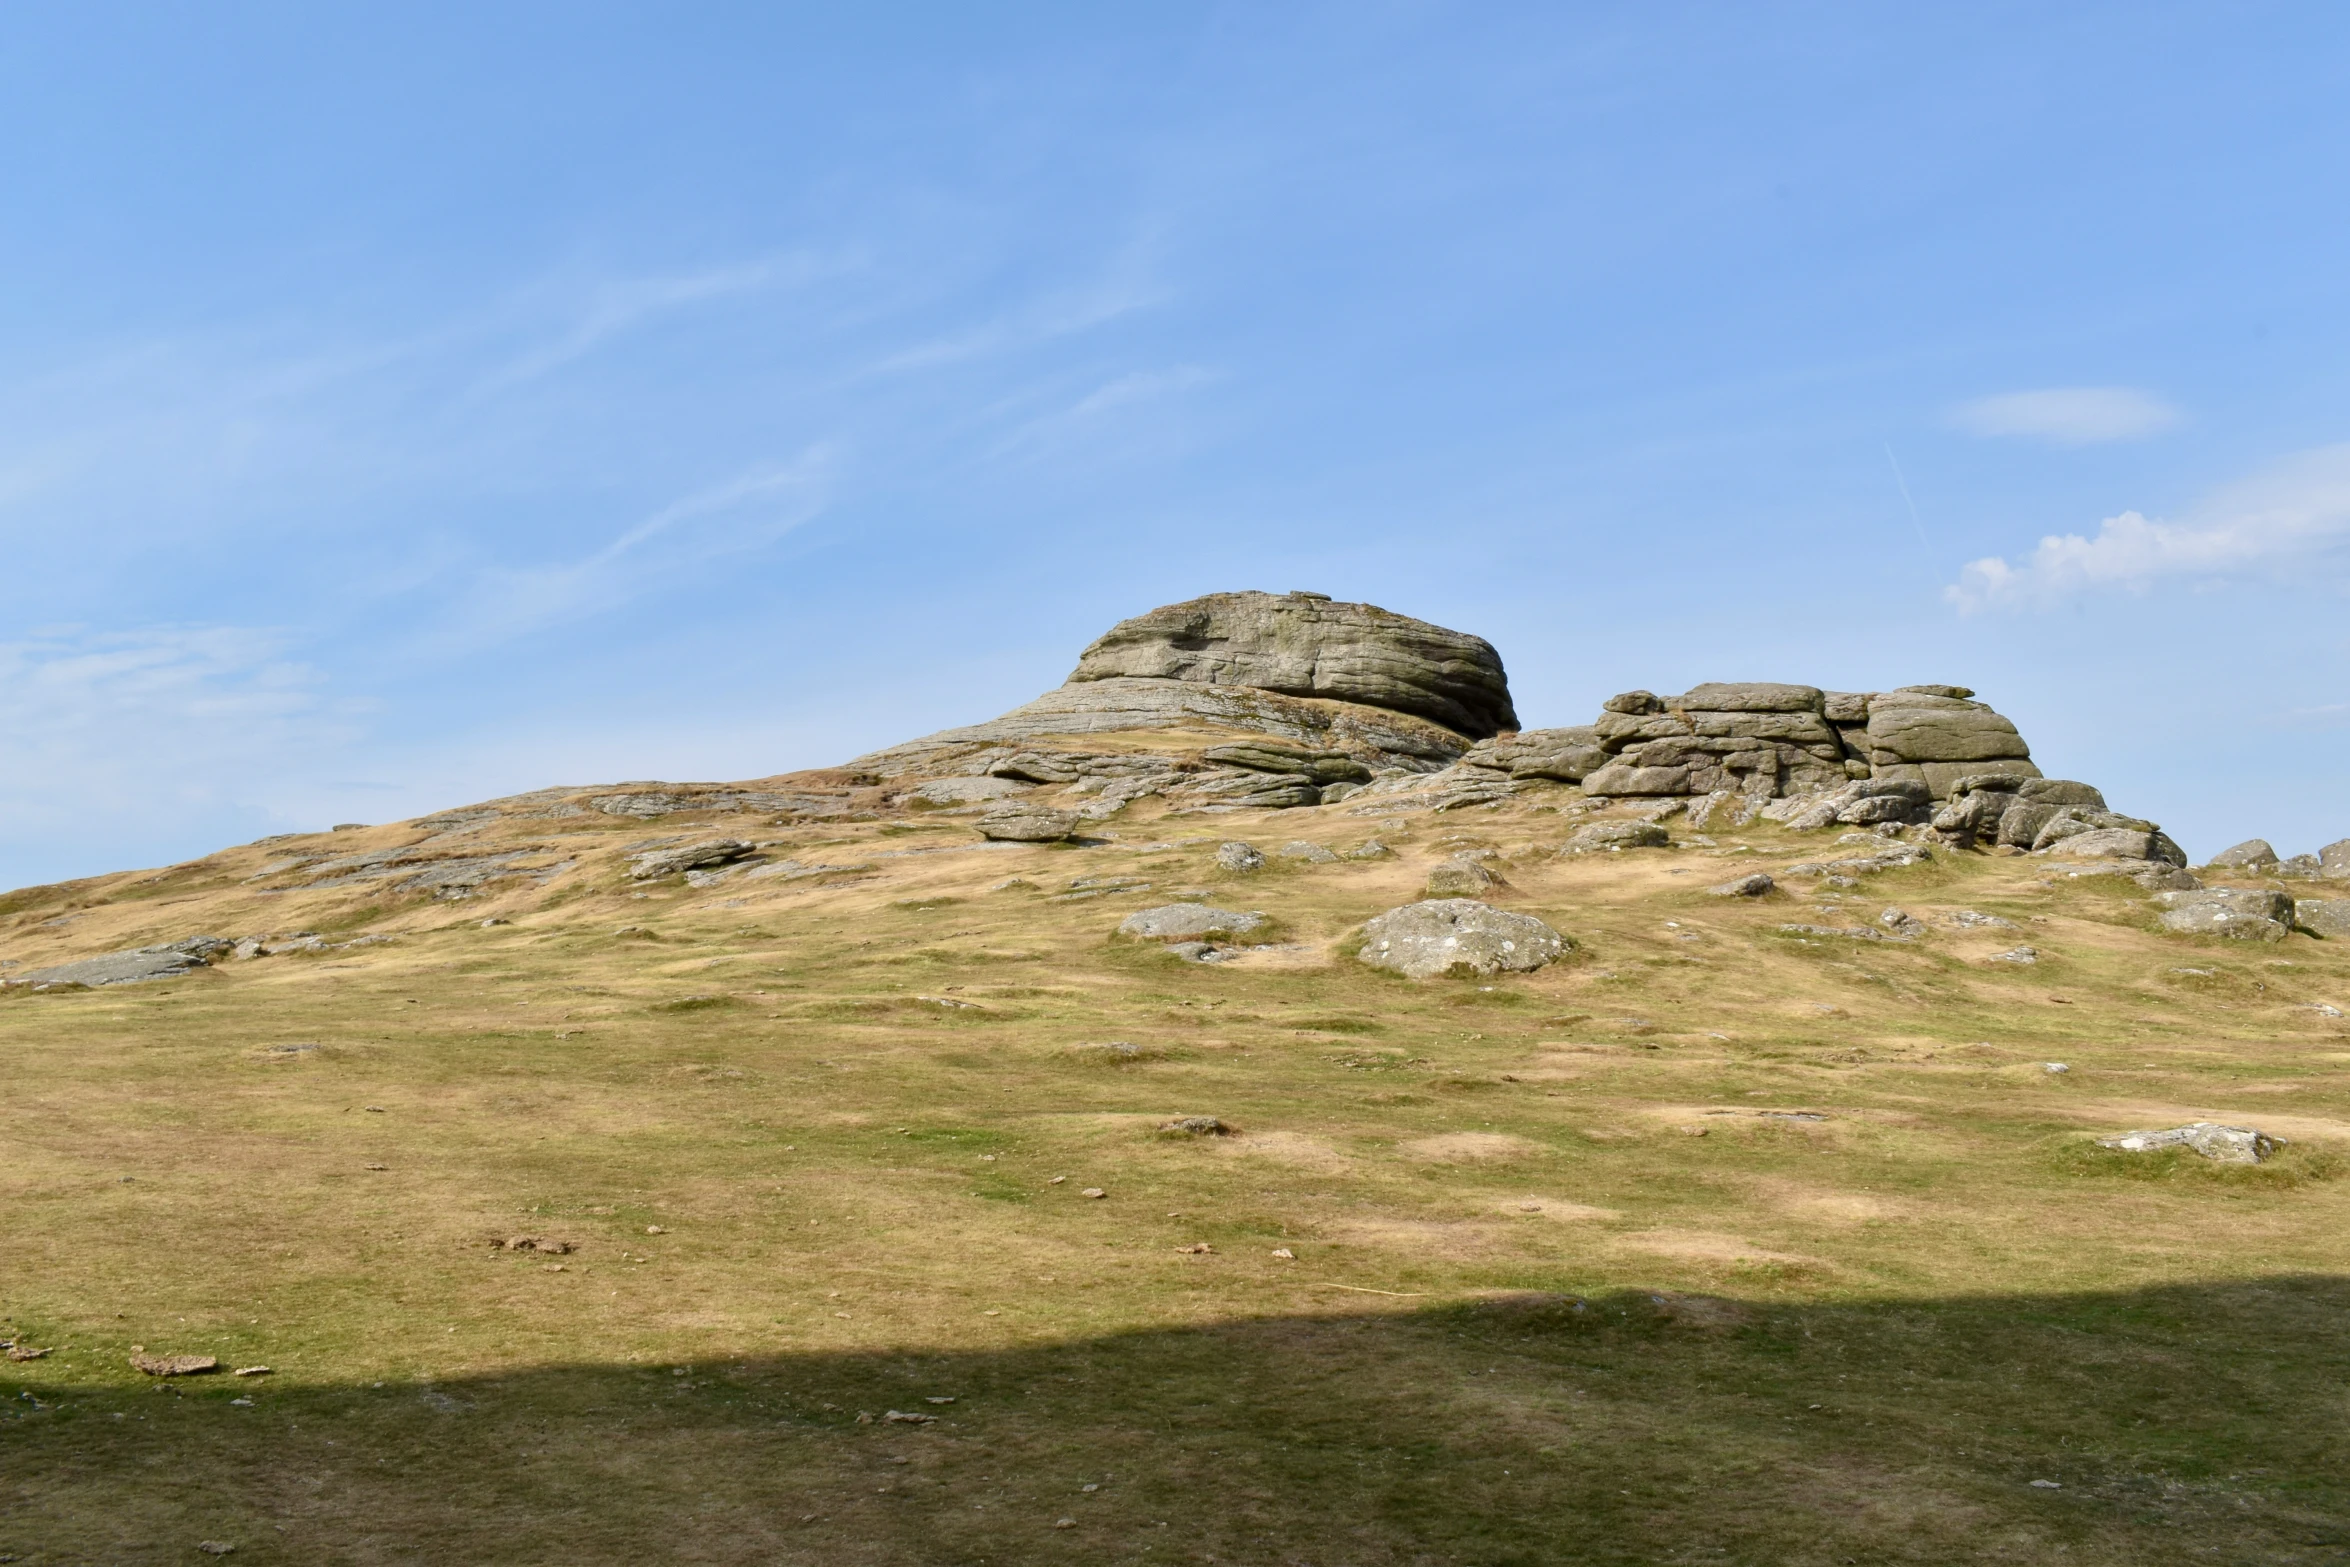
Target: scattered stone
1195, 1249
903, 1417
171, 1365
1369, 849
22, 1352
1460, 877
216, 1547
535, 1243
1848, 932
2237, 913
654, 864
251, 1371
1458, 936
1753, 886
1092, 1191
2018, 955
1311, 853
1903, 924
1611, 837
1028, 824
2251, 854
1239, 857
1188, 922
1968, 919
2221, 1144
1860, 865
1285, 1254
2054, 1067
1196, 1126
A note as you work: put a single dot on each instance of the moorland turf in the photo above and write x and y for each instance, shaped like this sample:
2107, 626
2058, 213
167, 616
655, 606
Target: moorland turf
1710, 1243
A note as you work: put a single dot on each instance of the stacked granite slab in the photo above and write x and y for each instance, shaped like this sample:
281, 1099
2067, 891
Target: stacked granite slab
1771, 741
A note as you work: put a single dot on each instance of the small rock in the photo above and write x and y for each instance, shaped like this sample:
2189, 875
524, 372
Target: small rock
2023, 955
251, 1371
2222, 1144
1460, 877
1369, 849
655, 1229
1093, 1191
1239, 857
25, 1352
1753, 886
1285, 1254
1027, 824
905, 1417
1310, 853
1196, 1249
1900, 923
1611, 837
216, 1547
1196, 1126
2054, 1067
1064, 1523
172, 1365
1188, 922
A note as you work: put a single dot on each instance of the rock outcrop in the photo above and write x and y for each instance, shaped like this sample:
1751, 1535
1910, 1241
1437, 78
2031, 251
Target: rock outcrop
1238, 701
1307, 645
1766, 740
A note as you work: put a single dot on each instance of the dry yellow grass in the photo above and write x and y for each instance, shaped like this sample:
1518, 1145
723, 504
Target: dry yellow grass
1567, 1279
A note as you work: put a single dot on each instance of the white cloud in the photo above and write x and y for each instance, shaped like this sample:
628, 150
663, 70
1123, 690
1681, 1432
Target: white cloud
2069, 415
138, 724
2290, 514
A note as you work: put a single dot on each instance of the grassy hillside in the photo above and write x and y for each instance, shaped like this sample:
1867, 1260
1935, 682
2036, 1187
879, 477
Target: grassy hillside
1712, 1243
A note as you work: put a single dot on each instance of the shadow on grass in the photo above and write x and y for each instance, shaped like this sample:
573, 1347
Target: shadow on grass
2179, 1421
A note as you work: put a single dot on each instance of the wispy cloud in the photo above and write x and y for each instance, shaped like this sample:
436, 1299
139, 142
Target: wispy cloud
741, 513
615, 305
1088, 416
2291, 514
2069, 415
140, 723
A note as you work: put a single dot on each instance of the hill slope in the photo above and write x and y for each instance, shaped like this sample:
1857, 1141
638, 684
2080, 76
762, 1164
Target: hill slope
1713, 1241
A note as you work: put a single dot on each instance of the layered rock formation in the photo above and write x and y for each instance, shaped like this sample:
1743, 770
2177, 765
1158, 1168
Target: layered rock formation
1240, 701
1770, 741
1235, 700
1307, 645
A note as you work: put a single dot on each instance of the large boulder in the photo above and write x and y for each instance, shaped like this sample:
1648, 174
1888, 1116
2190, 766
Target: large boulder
1916, 727
1458, 936
2236, 913
1307, 645
2334, 859
2251, 854
2325, 916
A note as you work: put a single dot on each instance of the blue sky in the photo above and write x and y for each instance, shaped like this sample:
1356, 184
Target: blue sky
402, 406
